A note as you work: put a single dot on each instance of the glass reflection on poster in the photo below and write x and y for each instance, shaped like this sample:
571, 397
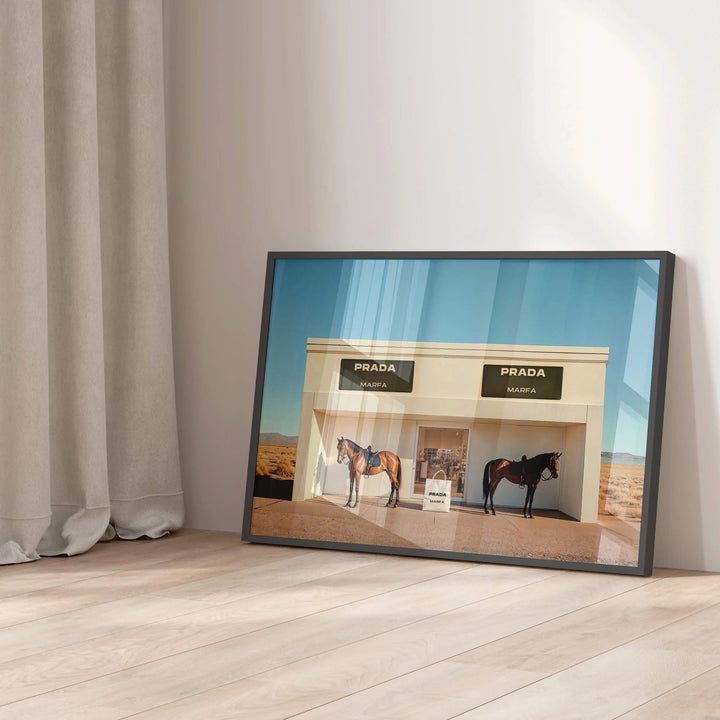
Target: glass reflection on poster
498, 408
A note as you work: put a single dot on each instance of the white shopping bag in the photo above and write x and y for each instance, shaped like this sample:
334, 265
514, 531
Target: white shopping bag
437, 495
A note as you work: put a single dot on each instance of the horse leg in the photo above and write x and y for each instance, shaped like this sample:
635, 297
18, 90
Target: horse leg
352, 479
394, 488
532, 497
486, 485
493, 488
357, 491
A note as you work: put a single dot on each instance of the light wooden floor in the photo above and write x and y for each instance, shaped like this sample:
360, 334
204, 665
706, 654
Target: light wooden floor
201, 626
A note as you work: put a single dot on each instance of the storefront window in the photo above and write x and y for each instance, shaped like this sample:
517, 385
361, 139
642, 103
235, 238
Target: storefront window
442, 453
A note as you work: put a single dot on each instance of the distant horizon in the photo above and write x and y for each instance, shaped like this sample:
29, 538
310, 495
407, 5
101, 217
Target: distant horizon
614, 453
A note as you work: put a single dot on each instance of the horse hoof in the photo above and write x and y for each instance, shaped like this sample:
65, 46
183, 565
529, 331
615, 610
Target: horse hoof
493, 512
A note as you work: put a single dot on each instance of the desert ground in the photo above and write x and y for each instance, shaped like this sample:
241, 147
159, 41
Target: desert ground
276, 461
621, 490
274, 471
613, 540
465, 529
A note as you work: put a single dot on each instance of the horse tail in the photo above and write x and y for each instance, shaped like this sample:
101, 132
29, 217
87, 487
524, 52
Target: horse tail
399, 473
486, 480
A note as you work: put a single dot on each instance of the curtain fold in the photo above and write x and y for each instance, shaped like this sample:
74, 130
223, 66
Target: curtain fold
88, 435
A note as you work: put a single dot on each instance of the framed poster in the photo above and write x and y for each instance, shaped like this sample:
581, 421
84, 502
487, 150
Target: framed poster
498, 407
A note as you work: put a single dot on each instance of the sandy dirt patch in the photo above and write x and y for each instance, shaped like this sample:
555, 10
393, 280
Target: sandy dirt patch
465, 529
621, 490
276, 461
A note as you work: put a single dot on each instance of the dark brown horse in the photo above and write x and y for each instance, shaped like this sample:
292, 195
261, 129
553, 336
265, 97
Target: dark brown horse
361, 462
528, 471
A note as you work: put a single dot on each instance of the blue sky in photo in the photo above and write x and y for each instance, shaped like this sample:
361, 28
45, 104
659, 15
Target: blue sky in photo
581, 302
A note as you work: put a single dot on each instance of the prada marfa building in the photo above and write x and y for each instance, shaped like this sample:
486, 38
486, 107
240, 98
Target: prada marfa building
446, 409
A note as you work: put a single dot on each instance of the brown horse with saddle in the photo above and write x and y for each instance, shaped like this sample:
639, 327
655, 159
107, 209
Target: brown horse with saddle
361, 461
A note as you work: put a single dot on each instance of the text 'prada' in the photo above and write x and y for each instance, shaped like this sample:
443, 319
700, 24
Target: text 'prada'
375, 367
526, 372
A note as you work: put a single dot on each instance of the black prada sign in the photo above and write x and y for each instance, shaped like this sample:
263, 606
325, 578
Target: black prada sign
377, 375
532, 382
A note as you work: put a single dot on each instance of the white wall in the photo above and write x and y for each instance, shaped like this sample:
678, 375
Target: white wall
441, 124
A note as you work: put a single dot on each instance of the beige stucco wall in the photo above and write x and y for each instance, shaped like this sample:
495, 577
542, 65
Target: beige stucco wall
446, 391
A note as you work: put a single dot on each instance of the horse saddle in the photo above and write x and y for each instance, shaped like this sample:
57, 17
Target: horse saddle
372, 459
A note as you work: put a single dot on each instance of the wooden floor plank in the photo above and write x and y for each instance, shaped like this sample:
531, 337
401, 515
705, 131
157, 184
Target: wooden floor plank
236, 584
697, 699
471, 679
202, 625
621, 679
229, 643
95, 621
322, 678
258, 576
109, 557
72, 594
52, 669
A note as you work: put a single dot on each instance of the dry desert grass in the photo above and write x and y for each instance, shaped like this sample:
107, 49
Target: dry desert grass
621, 490
276, 461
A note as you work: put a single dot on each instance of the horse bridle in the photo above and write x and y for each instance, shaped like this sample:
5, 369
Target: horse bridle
345, 460
549, 477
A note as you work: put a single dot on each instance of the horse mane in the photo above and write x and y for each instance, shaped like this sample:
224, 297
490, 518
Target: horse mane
353, 444
542, 456
540, 461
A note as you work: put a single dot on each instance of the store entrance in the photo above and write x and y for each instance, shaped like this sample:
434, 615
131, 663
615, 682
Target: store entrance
441, 453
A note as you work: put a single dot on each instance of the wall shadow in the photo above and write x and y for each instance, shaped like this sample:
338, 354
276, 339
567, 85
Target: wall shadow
679, 536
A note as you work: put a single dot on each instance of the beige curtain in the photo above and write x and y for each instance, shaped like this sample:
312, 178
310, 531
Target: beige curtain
88, 436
